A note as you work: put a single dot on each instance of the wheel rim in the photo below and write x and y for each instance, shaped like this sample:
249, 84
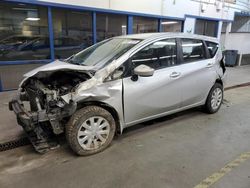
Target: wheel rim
216, 98
93, 133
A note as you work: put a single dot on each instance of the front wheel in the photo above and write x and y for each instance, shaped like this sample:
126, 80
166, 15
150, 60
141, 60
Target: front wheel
90, 130
214, 99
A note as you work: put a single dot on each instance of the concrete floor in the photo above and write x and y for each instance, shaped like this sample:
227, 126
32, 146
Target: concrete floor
174, 152
237, 75
9, 129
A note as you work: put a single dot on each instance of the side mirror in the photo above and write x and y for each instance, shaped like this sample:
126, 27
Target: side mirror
144, 71
118, 73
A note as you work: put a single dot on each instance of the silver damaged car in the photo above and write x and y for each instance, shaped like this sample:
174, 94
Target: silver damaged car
117, 83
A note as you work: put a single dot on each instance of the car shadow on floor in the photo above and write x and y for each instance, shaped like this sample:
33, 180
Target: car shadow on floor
162, 121
144, 127
167, 120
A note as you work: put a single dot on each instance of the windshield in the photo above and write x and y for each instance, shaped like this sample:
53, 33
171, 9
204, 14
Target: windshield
105, 52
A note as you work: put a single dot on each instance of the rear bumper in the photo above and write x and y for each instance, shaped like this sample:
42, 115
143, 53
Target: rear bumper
224, 79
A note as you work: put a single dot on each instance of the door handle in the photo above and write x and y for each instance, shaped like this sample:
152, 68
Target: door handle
175, 74
209, 65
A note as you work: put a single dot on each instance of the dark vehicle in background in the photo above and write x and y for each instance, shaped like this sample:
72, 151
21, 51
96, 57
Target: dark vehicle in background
38, 47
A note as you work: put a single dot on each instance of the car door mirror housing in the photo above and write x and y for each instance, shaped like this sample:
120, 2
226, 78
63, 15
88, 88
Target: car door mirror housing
144, 71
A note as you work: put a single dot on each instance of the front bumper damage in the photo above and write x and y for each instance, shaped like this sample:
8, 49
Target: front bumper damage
41, 125
49, 96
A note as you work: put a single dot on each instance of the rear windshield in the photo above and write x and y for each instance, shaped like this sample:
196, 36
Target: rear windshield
212, 48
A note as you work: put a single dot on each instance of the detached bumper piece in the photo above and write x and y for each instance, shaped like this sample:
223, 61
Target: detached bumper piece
38, 132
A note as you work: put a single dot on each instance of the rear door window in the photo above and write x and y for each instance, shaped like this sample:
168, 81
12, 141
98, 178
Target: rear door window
212, 48
192, 50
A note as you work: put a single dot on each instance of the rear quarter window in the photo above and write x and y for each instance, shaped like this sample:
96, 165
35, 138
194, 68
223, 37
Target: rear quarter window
212, 48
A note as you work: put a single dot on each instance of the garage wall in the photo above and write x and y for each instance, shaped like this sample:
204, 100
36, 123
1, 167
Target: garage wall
234, 44
181, 11
140, 6
11, 75
88, 3
175, 8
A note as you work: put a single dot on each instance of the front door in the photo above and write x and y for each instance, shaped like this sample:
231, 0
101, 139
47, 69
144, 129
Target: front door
149, 97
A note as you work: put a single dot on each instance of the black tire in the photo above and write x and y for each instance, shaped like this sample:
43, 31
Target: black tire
208, 106
75, 122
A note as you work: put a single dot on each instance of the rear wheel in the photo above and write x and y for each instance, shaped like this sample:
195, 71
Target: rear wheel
214, 99
90, 130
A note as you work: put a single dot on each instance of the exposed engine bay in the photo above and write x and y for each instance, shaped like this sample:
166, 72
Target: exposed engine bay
47, 110
48, 88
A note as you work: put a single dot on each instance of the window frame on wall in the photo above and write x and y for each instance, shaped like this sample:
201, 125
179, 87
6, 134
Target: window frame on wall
240, 30
68, 39
215, 34
50, 7
161, 24
108, 18
151, 19
36, 21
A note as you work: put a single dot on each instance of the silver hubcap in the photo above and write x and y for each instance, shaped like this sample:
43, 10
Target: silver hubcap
216, 98
93, 133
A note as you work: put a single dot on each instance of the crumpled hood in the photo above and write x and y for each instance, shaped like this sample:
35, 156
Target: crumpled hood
58, 65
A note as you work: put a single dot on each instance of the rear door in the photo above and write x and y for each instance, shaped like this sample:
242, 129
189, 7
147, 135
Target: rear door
197, 72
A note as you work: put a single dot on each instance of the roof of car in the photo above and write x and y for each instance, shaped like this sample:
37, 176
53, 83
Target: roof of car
144, 36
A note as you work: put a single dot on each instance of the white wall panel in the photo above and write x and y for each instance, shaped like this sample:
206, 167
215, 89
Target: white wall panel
140, 6
173, 8
219, 30
179, 8
238, 41
88, 3
189, 25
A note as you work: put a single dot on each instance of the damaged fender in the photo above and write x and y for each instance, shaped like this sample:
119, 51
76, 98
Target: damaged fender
97, 90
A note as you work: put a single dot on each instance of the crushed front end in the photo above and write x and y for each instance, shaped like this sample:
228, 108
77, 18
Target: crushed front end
40, 108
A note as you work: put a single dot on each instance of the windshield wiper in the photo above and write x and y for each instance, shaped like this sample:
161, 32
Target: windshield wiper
71, 61
74, 62
70, 58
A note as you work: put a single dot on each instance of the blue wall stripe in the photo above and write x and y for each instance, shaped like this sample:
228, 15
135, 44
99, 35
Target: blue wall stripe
159, 25
25, 62
207, 18
242, 14
216, 26
51, 34
1, 86
130, 25
6, 90
182, 26
94, 27
216, 29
